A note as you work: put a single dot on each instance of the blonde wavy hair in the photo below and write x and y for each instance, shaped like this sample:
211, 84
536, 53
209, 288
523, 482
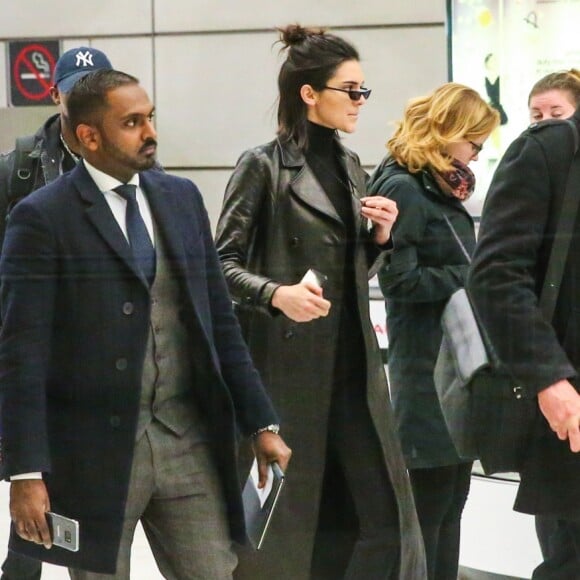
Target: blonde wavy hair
452, 113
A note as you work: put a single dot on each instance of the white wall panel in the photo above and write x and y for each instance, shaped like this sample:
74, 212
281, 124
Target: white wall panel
36, 19
212, 184
4, 75
133, 55
216, 93
215, 96
398, 64
17, 121
74, 43
191, 15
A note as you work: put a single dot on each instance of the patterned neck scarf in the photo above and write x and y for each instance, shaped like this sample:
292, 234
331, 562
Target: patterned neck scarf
459, 182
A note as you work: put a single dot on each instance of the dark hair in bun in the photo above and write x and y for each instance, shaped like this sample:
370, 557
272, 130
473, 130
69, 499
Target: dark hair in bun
313, 55
295, 34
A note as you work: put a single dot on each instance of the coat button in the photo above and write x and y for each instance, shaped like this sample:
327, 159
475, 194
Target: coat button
128, 308
294, 242
115, 420
289, 334
121, 364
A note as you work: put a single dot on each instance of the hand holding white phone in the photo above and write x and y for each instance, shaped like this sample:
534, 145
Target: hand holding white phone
315, 277
303, 302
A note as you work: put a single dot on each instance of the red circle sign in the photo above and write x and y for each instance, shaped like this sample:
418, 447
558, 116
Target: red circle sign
23, 63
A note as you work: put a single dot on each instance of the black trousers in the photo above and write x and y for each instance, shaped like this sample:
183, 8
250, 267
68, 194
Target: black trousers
17, 567
560, 543
355, 463
440, 496
545, 528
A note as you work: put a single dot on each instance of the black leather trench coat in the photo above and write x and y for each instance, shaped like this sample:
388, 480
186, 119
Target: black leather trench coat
276, 223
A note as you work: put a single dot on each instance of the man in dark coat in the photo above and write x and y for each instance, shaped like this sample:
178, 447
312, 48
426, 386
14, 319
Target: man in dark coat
123, 373
53, 148
508, 268
53, 151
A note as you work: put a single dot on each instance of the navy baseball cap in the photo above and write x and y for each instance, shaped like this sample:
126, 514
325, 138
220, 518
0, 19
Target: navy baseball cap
75, 63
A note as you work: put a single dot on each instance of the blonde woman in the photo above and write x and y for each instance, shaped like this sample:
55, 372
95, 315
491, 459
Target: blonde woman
426, 172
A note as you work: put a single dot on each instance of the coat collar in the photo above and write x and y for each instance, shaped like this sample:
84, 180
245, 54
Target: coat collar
427, 183
99, 214
164, 210
305, 185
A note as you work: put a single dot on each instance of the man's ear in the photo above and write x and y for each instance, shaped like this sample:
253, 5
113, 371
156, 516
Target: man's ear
308, 94
88, 137
55, 95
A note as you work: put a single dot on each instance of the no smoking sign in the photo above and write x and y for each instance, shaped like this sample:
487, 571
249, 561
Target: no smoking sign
31, 70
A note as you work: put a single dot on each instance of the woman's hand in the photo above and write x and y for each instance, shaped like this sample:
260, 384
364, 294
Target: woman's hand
382, 212
301, 302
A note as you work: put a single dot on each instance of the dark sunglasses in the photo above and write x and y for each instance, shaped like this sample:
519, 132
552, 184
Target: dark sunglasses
476, 147
354, 94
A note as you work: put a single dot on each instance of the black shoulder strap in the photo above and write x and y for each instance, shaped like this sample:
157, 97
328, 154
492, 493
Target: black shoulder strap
22, 178
564, 233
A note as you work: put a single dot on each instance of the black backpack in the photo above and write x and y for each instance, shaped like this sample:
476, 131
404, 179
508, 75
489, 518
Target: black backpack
22, 176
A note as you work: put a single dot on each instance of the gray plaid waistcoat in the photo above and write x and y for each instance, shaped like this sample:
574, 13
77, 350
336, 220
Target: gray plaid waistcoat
168, 375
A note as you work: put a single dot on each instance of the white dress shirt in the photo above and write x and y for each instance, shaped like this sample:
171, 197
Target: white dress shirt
117, 203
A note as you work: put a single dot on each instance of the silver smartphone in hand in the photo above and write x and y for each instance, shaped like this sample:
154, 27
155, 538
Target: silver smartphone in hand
315, 277
64, 531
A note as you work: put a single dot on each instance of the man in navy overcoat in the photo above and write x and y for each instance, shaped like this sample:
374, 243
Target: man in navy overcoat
122, 389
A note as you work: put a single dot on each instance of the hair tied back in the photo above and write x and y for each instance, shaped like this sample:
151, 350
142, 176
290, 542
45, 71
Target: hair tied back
294, 34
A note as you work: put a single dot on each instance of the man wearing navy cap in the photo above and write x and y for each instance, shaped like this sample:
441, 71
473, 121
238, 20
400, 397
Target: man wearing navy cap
42, 157
39, 160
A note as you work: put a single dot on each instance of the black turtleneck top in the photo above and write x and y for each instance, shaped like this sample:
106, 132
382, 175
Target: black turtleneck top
324, 158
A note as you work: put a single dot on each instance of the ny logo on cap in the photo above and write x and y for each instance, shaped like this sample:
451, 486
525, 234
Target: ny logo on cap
84, 58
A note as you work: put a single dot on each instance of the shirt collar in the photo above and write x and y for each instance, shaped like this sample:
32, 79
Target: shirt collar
106, 182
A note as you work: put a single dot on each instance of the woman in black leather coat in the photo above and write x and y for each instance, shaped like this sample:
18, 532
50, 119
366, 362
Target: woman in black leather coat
296, 203
427, 174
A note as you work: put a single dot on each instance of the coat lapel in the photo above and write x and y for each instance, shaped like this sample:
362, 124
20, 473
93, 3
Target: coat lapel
171, 222
304, 184
357, 188
99, 214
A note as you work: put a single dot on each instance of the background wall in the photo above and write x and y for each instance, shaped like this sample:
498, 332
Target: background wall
211, 67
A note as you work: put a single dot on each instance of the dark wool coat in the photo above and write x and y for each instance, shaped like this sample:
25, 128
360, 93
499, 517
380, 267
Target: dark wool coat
517, 229
76, 314
425, 267
276, 223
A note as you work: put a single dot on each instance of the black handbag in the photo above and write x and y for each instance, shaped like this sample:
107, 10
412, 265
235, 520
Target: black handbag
489, 415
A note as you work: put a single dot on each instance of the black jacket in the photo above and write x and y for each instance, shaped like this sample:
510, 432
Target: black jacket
47, 159
425, 267
517, 230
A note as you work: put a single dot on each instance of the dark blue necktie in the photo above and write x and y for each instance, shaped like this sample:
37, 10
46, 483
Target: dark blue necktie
139, 240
